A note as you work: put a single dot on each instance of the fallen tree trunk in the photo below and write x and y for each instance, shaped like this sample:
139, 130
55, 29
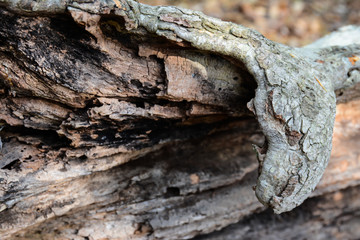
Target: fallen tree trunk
128, 121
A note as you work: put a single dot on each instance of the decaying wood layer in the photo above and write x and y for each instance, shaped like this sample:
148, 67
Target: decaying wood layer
79, 102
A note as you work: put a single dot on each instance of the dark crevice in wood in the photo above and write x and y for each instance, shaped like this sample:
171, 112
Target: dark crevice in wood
45, 138
13, 165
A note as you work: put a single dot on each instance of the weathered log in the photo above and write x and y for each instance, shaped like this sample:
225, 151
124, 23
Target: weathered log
128, 121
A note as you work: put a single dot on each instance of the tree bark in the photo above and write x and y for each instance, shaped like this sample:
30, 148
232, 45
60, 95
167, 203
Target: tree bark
125, 121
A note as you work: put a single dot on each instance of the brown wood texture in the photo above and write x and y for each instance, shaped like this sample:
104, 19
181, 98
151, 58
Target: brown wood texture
115, 136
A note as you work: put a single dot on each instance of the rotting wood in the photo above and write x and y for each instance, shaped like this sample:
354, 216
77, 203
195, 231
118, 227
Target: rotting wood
114, 92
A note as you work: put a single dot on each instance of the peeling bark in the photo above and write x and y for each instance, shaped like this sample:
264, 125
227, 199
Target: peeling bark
123, 120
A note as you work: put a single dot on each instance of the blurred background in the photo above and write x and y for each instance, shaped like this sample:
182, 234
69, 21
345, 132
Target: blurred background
292, 22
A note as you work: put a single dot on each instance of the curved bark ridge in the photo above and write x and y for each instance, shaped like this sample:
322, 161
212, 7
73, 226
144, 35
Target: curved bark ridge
295, 100
296, 113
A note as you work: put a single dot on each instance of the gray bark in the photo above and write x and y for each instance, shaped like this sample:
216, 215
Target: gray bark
87, 88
